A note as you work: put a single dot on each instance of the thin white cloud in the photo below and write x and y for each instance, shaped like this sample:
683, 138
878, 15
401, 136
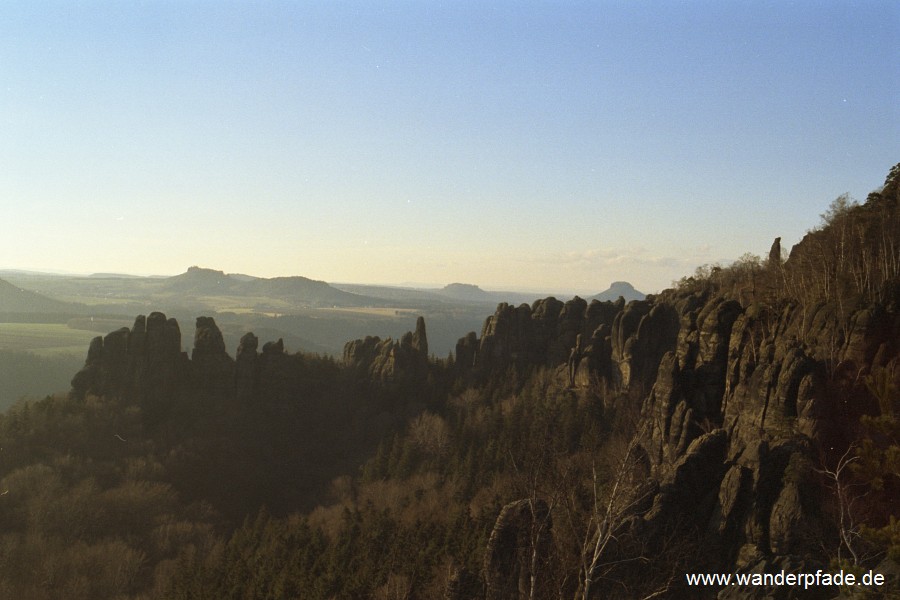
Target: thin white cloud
609, 257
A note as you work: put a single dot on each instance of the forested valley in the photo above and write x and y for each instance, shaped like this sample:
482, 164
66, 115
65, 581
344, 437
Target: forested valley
745, 420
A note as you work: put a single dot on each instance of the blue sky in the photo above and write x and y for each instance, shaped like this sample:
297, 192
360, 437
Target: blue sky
552, 146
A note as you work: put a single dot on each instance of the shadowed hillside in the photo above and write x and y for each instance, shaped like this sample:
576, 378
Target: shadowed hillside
14, 299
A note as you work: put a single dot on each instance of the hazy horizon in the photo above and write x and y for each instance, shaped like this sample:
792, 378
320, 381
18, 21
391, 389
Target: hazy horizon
419, 285
537, 146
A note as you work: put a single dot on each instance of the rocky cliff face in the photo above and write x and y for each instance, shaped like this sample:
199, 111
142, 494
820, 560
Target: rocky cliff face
547, 333
746, 394
618, 344
744, 404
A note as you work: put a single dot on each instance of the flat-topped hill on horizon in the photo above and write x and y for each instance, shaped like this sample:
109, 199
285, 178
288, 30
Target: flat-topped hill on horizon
619, 289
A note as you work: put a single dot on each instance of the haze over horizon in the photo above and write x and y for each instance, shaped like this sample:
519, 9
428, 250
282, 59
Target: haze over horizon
545, 146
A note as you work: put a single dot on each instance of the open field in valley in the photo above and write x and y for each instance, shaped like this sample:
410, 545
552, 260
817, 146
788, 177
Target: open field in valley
44, 339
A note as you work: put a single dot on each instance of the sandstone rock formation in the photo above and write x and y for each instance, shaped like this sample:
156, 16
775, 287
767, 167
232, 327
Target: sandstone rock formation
517, 549
246, 367
543, 334
388, 360
212, 367
145, 365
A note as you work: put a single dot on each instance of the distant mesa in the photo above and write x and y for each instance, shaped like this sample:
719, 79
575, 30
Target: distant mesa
211, 275
465, 291
198, 281
617, 289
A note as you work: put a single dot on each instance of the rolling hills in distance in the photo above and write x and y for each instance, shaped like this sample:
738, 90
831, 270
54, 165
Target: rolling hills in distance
309, 315
207, 291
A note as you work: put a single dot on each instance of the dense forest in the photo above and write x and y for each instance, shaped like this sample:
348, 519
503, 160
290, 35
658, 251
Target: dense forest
746, 420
